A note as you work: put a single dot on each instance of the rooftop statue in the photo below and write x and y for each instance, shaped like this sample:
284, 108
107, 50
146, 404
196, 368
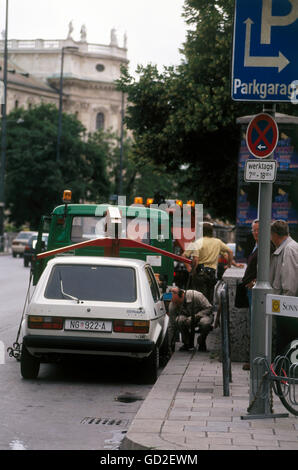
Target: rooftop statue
83, 33
70, 30
114, 40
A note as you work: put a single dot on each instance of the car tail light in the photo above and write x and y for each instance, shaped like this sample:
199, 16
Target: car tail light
131, 326
45, 323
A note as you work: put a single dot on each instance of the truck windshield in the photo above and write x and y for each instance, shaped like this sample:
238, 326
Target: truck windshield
93, 282
89, 227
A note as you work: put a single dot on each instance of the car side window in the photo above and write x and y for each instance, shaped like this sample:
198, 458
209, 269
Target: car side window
153, 284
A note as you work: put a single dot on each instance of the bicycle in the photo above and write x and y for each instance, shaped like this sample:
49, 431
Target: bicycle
283, 374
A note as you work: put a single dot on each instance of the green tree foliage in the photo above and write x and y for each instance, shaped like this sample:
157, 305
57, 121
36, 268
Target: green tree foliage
186, 115
34, 179
99, 151
140, 177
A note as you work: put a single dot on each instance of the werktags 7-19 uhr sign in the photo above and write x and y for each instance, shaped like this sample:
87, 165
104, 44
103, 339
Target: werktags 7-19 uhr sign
265, 59
261, 140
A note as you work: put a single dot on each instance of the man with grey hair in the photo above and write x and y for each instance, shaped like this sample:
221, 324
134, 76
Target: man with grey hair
284, 260
284, 278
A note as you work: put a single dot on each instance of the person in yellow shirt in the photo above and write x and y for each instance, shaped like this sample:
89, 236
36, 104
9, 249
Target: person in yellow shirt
204, 253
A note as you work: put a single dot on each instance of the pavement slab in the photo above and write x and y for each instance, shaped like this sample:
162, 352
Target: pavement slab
187, 410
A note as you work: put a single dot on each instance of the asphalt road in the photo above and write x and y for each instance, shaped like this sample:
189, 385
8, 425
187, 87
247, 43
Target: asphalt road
74, 406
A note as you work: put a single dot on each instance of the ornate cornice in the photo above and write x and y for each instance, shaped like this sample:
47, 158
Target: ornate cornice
82, 83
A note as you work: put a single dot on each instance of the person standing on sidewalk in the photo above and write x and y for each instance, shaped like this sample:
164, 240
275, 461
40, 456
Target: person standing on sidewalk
190, 309
250, 275
284, 279
205, 252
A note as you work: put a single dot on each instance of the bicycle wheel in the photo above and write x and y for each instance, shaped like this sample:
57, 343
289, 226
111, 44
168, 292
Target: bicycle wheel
286, 387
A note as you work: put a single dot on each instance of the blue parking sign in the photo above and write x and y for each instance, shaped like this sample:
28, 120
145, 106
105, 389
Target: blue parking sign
265, 58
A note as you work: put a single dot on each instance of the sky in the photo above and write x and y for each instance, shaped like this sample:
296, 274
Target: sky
155, 28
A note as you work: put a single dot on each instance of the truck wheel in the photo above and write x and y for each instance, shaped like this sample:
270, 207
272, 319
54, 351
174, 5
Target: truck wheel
150, 366
29, 364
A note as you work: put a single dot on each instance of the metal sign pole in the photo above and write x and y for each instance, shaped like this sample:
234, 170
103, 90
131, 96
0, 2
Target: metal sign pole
261, 327
264, 65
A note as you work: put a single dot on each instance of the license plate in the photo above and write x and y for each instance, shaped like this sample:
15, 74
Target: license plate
104, 326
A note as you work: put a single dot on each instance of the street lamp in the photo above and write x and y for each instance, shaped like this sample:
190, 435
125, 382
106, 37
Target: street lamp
121, 146
70, 49
3, 136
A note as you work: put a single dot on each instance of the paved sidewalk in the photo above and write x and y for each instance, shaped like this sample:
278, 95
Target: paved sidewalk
186, 410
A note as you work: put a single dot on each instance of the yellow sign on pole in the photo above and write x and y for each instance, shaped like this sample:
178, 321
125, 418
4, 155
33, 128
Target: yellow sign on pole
282, 305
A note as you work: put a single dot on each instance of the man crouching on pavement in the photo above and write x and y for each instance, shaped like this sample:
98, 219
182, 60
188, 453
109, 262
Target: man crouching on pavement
188, 310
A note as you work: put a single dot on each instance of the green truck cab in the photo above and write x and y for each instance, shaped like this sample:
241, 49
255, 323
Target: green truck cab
71, 224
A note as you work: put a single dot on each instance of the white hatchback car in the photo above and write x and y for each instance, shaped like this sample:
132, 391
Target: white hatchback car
95, 306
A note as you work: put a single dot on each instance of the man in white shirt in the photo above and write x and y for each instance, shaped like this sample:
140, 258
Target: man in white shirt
284, 260
284, 279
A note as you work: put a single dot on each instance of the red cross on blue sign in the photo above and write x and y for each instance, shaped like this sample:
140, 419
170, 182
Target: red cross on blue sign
262, 135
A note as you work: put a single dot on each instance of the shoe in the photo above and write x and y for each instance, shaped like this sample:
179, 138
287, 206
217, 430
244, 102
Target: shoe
246, 366
202, 344
202, 347
185, 347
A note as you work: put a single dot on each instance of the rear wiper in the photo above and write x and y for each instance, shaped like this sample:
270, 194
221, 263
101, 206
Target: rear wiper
68, 295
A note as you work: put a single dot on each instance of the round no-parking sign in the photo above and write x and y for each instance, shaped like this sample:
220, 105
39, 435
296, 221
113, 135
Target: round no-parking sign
262, 135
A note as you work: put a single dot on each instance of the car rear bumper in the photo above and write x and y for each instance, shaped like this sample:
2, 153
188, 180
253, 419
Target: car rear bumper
18, 249
73, 343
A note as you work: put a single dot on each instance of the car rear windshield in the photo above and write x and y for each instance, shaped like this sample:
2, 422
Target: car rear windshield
92, 282
24, 235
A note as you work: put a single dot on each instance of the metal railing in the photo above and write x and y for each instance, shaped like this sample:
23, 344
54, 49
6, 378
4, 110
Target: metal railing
225, 339
57, 44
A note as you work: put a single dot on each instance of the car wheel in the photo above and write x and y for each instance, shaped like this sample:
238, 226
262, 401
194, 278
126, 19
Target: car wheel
165, 351
29, 364
150, 366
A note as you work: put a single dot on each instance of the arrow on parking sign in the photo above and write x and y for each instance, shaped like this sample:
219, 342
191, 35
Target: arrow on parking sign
279, 61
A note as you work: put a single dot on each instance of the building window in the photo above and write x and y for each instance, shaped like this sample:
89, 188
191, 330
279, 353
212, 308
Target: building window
100, 67
100, 121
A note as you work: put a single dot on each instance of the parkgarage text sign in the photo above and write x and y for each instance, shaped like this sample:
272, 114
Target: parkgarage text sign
265, 59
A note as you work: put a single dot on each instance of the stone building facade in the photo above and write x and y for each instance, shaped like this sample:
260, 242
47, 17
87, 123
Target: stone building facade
89, 74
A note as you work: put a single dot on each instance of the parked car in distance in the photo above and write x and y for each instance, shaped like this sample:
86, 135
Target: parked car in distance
90, 305
18, 244
29, 250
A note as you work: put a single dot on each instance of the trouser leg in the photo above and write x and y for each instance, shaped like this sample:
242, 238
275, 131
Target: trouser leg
172, 331
204, 282
205, 326
184, 324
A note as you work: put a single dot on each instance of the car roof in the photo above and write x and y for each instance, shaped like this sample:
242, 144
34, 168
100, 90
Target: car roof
100, 209
25, 232
99, 260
